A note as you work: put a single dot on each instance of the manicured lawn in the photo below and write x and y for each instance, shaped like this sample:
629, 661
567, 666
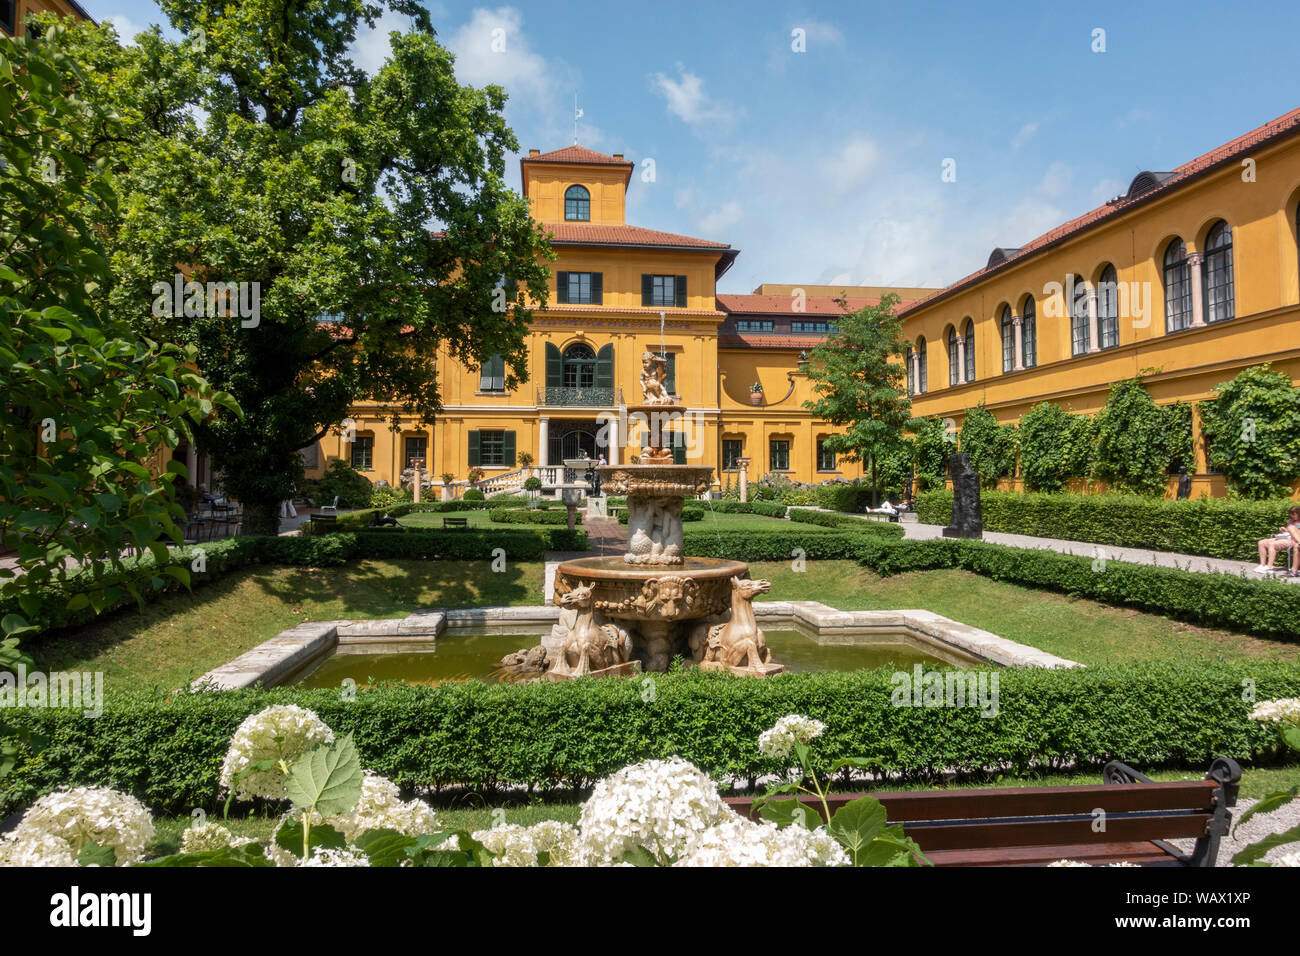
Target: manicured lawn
183, 635
476, 519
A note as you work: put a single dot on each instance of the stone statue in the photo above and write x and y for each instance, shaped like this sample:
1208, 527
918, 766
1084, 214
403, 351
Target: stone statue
907, 494
589, 646
654, 370
654, 532
739, 642
966, 517
1184, 483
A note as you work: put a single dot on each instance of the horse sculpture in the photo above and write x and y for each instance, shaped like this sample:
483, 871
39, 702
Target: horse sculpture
738, 642
589, 646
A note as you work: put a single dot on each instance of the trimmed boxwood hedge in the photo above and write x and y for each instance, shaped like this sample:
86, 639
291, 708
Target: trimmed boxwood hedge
533, 516
852, 499
745, 545
364, 518
689, 513
768, 509
168, 750
332, 550
830, 519
1215, 527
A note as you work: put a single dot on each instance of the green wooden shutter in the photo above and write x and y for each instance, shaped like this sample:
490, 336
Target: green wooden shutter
562, 287
679, 448
554, 366
475, 458
597, 288
680, 298
605, 367
670, 379
647, 289
508, 449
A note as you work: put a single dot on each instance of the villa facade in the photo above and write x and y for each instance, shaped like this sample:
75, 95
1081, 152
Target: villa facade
14, 13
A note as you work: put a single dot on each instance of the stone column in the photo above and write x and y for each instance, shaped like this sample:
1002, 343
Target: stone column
961, 359
192, 465
1194, 260
743, 465
916, 371
417, 477
1093, 344
616, 438
543, 440
1018, 323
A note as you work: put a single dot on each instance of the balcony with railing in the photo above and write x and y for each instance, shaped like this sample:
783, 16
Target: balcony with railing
565, 396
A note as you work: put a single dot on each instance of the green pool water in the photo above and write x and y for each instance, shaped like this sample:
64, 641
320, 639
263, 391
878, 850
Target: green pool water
463, 657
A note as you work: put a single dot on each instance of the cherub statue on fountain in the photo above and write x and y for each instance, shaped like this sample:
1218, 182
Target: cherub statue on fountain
654, 371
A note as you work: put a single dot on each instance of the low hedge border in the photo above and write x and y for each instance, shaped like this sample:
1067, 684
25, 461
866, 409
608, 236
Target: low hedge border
365, 518
1214, 527
689, 513
832, 519
781, 545
768, 509
231, 554
533, 516
168, 750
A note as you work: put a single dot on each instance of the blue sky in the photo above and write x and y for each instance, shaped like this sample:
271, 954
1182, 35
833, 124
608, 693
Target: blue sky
825, 166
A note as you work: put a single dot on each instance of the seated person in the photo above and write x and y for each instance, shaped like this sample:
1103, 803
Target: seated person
1284, 539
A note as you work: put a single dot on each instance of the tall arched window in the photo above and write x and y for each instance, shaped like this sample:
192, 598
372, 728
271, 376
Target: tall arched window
1008, 326
1108, 308
952, 356
1029, 333
577, 204
579, 366
1178, 287
970, 350
1219, 304
1079, 318
923, 385
911, 371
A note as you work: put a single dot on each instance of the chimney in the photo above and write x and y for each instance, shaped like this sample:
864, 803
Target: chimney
534, 152
618, 156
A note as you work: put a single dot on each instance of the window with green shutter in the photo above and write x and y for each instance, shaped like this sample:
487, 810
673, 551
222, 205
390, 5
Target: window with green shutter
363, 452
579, 288
492, 375
779, 457
660, 291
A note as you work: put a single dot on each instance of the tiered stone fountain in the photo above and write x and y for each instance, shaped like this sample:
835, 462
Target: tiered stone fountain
640, 610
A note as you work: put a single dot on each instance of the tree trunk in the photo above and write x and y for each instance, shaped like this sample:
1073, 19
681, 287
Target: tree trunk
875, 485
262, 517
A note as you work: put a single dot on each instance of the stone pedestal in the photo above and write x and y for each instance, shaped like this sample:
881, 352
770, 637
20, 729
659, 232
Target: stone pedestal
743, 465
967, 521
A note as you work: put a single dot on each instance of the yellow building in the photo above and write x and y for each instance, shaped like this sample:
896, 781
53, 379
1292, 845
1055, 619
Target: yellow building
14, 13
1187, 279
618, 291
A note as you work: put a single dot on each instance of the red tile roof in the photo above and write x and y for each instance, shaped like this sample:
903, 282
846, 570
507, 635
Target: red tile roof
578, 155
767, 340
587, 233
1284, 125
783, 305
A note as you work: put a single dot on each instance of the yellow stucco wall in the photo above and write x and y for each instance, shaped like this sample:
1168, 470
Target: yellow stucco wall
26, 8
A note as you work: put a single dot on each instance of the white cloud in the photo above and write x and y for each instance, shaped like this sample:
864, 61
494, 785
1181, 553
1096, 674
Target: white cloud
1056, 180
1023, 135
493, 48
819, 33
686, 98
372, 47
1108, 189
127, 29
850, 165
722, 218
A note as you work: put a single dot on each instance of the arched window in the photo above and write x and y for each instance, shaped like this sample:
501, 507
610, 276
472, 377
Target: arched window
1108, 308
952, 356
1178, 288
923, 385
577, 204
579, 366
970, 350
1079, 318
1008, 326
1219, 304
911, 370
1029, 333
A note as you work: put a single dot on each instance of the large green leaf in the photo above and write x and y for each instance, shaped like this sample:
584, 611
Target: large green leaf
246, 854
1257, 850
785, 812
385, 847
856, 824
289, 837
1269, 803
94, 854
326, 779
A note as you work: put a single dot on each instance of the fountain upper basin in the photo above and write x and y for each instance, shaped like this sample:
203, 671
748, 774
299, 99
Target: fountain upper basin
696, 588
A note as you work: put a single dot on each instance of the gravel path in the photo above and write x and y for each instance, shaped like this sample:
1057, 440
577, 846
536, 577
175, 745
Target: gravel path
1256, 828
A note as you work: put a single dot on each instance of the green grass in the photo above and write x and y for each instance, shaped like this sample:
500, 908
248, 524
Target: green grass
184, 635
476, 519
1076, 629
474, 812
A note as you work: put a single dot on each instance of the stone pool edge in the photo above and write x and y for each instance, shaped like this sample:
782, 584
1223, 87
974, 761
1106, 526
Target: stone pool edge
291, 650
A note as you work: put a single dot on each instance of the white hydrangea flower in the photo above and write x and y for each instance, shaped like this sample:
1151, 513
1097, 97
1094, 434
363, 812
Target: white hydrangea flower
348, 856
82, 816
1287, 859
1283, 711
381, 807
280, 732
657, 804
740, 842
789, 730
36, 849
515, 845
208, 836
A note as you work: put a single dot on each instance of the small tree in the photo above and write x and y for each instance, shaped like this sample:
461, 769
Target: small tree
1252, 428
1055, 447
991, 447
1137, 439
860, 385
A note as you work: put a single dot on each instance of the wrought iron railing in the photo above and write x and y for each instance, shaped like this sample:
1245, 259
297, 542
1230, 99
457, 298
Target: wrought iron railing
572, 397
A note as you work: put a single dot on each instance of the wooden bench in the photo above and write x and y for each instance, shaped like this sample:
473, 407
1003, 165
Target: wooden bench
1034, 826
455, 523
324, 519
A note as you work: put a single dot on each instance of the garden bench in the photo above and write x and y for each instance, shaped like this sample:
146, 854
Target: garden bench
1034, 826
324, 519
455, 523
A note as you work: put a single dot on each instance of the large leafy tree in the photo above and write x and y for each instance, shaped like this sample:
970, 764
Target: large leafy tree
1252, 427
860, 385
1137, 440
258, 153
85, 402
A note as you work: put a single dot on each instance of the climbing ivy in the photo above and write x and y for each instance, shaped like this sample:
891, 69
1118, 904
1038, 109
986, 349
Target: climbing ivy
1055, 446
992, 447
1137, 440
1252, 431
932, 443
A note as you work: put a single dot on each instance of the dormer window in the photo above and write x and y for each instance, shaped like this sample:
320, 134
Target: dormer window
577, 204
